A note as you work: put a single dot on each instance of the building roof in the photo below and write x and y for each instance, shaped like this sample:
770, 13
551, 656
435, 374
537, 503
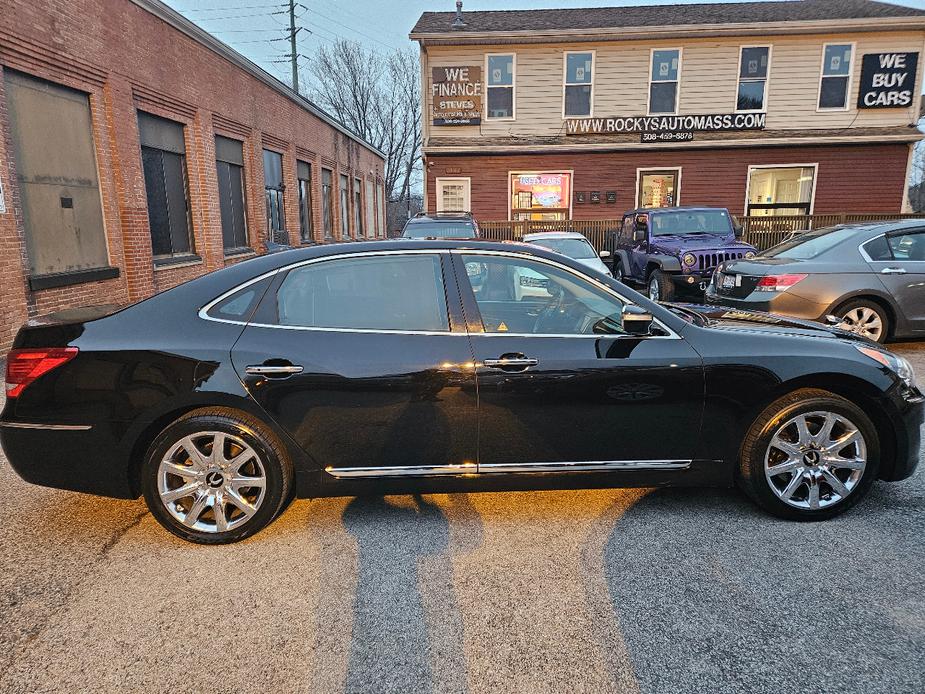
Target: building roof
200, 35
583, 19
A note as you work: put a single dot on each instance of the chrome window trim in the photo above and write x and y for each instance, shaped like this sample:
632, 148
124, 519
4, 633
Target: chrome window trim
672, 335
893, 232
506, 468
48, 427
204, 311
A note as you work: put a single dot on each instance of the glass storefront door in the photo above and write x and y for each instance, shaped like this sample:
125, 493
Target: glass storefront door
780, 190
658, 188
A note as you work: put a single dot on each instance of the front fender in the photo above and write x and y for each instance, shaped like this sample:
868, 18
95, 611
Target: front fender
666, 263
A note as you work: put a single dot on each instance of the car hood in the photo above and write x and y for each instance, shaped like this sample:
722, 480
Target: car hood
684, 243
722, 318
594, 264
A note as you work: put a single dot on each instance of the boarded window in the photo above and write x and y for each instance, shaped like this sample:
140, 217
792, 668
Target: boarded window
344, 206
304, 172
327, 202
370, 212
229, 156
357, 207
57, 177
163, 156
273, 192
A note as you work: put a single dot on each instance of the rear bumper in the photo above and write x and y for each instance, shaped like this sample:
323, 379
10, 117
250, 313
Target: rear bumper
84, 459
784, 303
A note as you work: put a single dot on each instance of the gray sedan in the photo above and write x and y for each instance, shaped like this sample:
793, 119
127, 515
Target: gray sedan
870, 277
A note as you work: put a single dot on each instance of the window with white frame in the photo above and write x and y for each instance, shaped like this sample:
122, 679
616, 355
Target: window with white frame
453, 195
836, 76
754, 65
664, 80
500, 85
780, 190
579, 84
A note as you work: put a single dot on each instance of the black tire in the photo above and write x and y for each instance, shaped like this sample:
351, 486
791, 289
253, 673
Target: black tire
857, 308
618, 272
275, 468
752, 476
661, 284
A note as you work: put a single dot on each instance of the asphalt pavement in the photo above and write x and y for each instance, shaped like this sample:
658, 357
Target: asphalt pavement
577, 591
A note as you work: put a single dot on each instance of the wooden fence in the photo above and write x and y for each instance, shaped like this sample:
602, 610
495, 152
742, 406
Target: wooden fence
762, 232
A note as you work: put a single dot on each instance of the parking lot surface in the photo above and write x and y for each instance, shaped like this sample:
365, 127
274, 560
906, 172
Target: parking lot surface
581, 591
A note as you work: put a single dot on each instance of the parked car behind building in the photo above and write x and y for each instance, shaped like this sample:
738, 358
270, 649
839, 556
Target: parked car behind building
675, 249
871, 277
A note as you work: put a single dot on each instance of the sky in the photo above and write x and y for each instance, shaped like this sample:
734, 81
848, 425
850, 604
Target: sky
256, 28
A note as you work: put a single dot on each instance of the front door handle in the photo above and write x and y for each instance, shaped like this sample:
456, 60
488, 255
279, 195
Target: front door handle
511, 362
279, 370
893, 271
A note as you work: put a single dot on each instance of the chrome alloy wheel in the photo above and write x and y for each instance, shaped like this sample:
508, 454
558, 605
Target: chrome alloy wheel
863, 321
654, 292
211, 481
815, 460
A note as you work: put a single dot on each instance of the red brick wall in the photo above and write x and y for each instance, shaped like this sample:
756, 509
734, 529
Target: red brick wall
851, 178
126, 60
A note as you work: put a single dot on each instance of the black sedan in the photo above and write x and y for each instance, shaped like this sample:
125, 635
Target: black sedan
431, 366
870, 278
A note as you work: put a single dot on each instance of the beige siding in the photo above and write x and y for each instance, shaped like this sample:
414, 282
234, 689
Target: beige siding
708, 81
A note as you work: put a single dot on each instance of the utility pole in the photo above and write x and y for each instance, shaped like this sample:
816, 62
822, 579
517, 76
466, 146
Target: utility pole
294, 55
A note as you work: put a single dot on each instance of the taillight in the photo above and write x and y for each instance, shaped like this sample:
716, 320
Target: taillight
23, 366
778, 283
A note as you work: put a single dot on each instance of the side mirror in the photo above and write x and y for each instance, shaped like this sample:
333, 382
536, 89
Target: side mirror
636, 320
738, 230
605, 254
639, 235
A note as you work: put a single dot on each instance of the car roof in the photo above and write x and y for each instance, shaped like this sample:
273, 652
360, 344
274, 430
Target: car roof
442, 216
663, 210
554, 235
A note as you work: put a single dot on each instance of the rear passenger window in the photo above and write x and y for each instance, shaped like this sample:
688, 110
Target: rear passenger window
370, 293
908, 246
878, 249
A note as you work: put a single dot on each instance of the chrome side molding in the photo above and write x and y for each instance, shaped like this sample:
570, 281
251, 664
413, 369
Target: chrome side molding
506, 468
51, 427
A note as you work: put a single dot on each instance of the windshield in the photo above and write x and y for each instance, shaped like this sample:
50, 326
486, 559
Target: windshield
691, 222
809, 244
454, 229
579, 249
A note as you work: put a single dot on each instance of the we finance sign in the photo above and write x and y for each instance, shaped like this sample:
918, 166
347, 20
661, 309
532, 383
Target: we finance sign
456, 95
712, 122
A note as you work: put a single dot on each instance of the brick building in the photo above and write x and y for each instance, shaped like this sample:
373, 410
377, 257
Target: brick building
137, 152
781, 108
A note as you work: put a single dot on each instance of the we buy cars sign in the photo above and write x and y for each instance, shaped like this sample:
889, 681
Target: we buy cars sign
888, 80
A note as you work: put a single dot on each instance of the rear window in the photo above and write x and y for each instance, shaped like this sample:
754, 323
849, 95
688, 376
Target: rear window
457, 229
390, 292
811, 243
579, 249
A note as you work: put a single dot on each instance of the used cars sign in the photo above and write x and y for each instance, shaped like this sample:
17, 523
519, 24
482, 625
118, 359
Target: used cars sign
888, 80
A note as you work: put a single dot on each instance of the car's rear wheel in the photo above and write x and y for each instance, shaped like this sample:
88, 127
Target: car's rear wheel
864, 318
660, 287
216, 476
809, 455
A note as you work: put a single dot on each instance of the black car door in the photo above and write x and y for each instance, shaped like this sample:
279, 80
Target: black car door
561, 385
363, 359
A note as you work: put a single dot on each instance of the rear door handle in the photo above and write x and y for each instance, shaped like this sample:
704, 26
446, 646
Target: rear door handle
273, 370
893, 271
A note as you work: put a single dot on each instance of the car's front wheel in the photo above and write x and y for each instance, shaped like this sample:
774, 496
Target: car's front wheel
661, 287
809, 455
216, 476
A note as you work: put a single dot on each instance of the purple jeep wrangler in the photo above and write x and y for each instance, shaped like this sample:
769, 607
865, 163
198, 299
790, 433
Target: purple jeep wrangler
674, 250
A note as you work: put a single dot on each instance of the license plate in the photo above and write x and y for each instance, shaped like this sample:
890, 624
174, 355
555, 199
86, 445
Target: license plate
729, 281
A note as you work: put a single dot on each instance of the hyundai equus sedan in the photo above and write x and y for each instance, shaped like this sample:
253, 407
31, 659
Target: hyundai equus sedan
389, 367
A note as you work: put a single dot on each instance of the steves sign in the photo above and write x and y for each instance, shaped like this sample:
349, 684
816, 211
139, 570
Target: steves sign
456, 95
888, 80
683, 125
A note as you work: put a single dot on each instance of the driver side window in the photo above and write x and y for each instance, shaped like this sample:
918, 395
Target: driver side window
517, 295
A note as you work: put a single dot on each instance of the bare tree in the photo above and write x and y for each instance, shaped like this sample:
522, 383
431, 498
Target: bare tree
379, 97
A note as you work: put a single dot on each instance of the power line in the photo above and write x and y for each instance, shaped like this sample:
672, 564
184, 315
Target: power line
349, 28
239, 7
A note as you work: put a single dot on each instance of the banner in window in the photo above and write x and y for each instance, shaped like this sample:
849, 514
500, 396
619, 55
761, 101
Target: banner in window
540, 196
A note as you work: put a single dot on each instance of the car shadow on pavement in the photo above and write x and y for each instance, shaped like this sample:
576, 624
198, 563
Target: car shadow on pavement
406, 620
711, 594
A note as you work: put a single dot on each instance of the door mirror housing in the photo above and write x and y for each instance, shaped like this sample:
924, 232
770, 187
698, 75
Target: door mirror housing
605, 254
737, 230
636, 320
